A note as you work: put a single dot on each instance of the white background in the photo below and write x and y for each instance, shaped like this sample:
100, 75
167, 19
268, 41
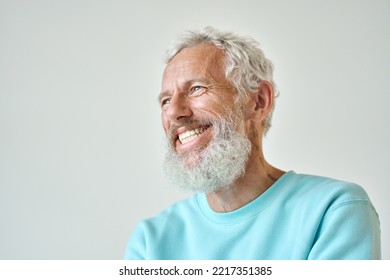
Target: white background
81, 145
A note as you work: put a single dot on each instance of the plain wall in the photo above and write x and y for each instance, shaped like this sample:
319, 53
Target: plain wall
81, 144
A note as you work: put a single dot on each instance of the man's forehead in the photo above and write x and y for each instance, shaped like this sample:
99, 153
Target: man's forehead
195, 63
201, 55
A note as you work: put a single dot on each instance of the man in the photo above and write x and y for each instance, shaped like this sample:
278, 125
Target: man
217, 99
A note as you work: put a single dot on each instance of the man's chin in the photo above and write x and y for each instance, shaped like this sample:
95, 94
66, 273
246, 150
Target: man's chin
191, 159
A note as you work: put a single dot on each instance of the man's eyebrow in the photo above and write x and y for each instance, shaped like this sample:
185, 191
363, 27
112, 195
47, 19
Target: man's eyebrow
185, 84
162, 95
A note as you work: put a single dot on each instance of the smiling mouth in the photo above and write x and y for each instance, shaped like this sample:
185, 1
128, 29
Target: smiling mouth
191, 134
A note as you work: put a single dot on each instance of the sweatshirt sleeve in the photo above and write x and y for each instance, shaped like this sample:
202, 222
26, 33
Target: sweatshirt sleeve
348, 230
136, 245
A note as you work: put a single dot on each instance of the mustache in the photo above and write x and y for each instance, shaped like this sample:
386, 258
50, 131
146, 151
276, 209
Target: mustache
189, 123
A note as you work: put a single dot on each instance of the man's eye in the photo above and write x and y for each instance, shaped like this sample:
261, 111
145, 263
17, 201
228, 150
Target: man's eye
197, 89
165, 102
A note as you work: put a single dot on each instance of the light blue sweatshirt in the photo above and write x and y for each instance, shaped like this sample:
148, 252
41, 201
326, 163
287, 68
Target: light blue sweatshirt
298, 217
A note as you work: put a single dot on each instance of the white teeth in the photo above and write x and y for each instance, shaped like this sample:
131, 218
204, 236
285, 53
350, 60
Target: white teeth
190, 135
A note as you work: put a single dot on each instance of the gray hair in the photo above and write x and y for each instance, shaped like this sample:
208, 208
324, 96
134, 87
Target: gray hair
245, 63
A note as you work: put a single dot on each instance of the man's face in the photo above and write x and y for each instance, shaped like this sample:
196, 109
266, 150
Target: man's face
194, 91
207, 148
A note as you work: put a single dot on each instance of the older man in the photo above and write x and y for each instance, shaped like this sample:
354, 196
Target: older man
217, 99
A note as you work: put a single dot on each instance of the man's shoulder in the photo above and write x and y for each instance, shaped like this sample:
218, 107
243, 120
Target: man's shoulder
177, 211
325, 188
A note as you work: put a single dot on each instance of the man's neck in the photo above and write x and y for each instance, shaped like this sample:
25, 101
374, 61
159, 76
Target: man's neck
259, 176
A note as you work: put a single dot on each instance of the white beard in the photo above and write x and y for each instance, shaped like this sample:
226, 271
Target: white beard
216, 166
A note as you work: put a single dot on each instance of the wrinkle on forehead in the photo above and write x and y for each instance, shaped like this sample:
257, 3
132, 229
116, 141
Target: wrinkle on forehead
198, 62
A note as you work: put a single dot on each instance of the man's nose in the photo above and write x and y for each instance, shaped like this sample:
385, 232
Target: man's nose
178, 108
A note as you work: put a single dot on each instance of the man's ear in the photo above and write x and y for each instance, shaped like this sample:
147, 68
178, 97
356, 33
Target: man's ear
261, 102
